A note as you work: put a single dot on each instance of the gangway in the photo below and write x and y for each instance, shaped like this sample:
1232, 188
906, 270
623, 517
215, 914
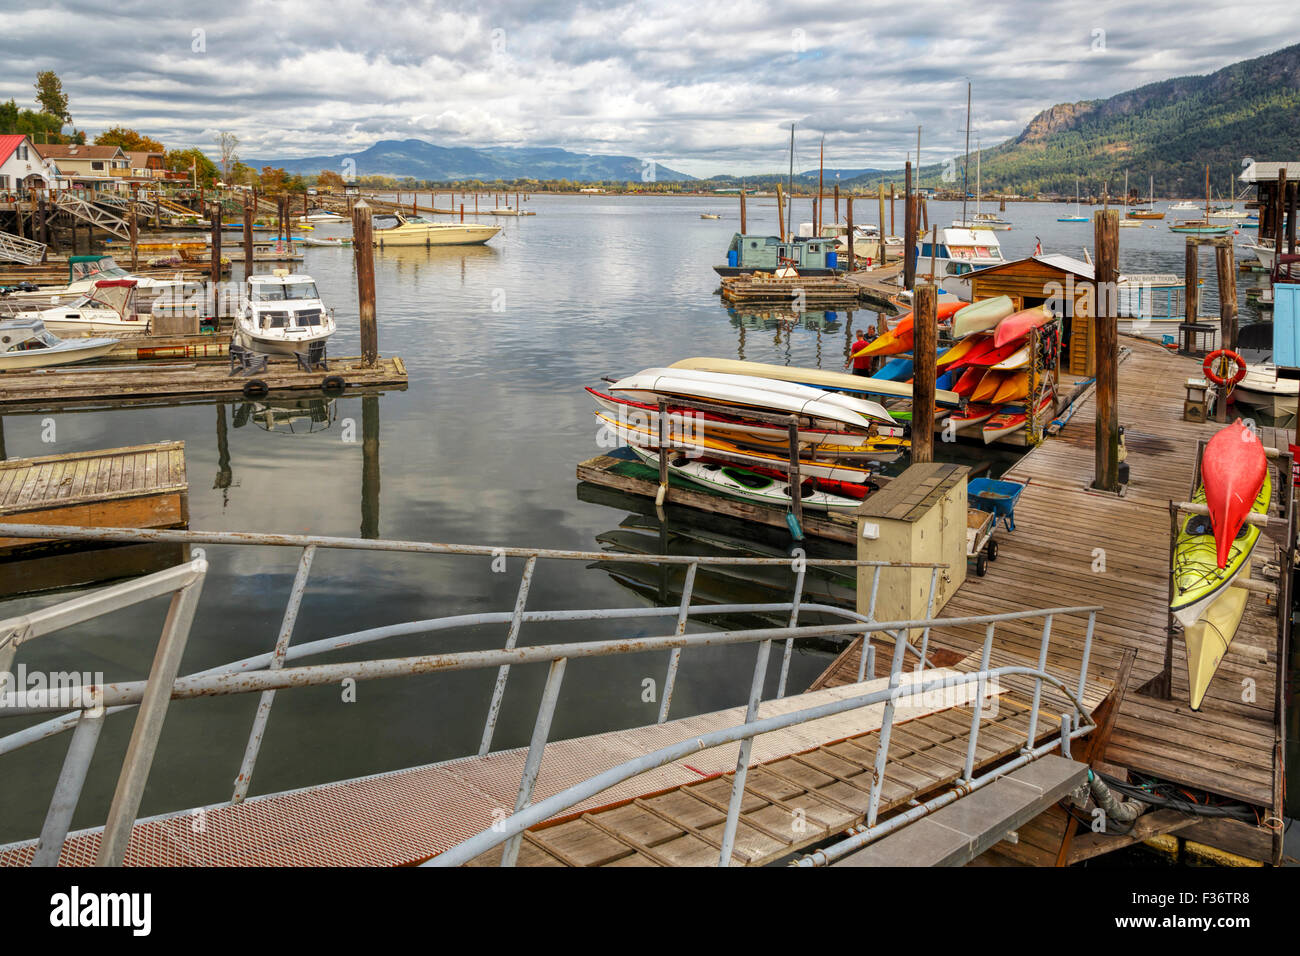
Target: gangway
28, 252
766, 778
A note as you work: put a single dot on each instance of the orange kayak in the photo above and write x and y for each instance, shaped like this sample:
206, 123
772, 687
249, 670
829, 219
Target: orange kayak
957, 354
969, 381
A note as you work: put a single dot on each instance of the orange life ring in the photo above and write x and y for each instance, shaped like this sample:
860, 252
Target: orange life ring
1208, 367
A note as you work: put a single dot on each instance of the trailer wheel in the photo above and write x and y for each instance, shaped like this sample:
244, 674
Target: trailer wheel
255, 388
981, 565
993, 550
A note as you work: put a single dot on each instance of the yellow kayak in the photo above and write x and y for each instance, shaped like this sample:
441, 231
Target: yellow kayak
1198, 579
1207, 640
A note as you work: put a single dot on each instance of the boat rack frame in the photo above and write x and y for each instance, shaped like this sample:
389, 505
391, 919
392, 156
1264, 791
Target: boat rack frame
82, 709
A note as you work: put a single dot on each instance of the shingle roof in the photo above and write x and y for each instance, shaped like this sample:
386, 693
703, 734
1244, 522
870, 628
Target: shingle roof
74, 151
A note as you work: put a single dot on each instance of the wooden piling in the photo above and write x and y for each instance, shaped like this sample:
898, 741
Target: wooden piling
849, 210
892, 231
1279, 214
135, 239
1191, 287
742, 212
796, 496
1291, 218
462, 212
1105, 346
780, 213
837, 202
925, 325
249, 209
214, 277
1225, 266
363, 249
909, 229
884, 256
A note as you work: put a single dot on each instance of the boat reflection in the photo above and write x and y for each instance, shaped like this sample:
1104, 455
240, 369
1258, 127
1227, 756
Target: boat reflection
827, 321
301, 416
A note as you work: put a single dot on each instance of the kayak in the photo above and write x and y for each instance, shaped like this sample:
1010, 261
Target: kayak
969, 381
900, 338
726, 427
1232, 469
1198, 580
1014, 387
958, 353
815, 377
896, 370
1009, 421
747, 485
981, 316
1019, 359
1017, 326
972, 416
647, 437
991, 354
1207, 640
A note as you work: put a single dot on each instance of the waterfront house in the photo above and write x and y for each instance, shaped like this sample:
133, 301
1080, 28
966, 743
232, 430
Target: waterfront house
22, 168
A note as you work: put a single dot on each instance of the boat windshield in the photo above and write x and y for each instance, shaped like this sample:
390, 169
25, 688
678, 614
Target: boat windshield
43, 339
286, 292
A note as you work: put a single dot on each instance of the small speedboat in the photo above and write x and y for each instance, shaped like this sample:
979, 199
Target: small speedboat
709, 215
1264, 391
108, 308
282, 314
416, 231
27, 344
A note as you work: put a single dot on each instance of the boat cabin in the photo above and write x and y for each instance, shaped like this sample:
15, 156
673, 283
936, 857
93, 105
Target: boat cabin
81, 268
809, 255
283, 301
24, 335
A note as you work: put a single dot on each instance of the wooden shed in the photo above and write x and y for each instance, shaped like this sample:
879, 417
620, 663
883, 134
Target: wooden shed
1276, 207
1061, 280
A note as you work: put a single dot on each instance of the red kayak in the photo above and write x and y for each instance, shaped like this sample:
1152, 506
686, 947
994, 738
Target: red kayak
991, 353
965, 386
1232, 469
1015, 327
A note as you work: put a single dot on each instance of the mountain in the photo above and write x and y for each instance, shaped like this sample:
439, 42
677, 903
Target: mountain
1168, 130
422, 160
831, 175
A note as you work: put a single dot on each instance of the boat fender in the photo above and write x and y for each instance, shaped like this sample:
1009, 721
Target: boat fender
1208, 366
333, 383
795, 531
255, 388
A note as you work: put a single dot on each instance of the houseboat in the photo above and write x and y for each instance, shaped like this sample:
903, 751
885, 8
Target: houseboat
807, 255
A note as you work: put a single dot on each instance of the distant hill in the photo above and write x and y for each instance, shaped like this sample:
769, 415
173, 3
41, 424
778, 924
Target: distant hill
422, 160
1168, 130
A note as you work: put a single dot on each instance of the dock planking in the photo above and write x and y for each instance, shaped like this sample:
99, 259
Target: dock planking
1228, 747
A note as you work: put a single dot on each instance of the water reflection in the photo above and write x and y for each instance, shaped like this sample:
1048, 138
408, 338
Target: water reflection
298, 417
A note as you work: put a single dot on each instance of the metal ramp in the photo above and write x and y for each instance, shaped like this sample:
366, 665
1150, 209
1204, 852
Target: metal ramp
28, 252
93, 214
875, 754
956, 834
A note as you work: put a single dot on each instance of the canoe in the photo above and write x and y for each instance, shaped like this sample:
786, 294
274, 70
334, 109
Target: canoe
1232, 469
736, 482
1010, 421
1017, 326
1207, 640
635, 436
827, 409
815, 377
1018, 359
969, 381
731, 428
958, 353
1197, 578
981, 316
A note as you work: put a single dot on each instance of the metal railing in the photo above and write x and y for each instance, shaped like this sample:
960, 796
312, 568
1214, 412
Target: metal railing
82, 709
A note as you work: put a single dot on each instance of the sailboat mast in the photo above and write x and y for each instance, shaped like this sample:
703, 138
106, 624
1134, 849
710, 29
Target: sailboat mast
977, 179
965, 172
789, 186
1207, 192
821, 166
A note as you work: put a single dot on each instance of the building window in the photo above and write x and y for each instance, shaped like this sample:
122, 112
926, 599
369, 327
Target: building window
4, 182
96, 165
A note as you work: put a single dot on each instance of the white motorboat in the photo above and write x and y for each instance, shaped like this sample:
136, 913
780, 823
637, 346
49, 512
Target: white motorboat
417, 231
958, 253
110, 307
1264, 251
282, 314
1262, 390
1184, 205
28, 344
322, 215
1228, 213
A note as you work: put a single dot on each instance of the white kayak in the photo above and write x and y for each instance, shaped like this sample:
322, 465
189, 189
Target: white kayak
1017, 360
742, 483
752, 392
981, 316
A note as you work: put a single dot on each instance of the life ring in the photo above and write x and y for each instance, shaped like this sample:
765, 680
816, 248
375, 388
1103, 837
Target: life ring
1208, 367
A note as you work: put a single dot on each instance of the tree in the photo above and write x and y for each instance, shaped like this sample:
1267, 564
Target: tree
182, 160
50, 95
228, 155
128, 140
39, 127
272, 180
328, 179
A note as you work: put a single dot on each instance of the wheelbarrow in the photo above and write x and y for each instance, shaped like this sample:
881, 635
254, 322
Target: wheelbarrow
981, 547
996, 497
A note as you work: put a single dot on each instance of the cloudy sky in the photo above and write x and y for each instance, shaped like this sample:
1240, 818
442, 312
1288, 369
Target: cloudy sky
702, 87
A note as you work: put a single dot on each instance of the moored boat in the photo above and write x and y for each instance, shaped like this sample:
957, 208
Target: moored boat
28, 344
417, 231
282, 314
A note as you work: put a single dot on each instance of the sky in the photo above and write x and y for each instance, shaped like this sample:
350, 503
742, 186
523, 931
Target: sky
702, 87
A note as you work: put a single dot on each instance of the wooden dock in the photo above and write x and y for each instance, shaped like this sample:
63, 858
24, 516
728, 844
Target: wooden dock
1073, 546
91, 384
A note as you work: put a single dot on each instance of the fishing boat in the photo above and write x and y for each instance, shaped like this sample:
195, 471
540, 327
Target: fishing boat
27, 344
109, 308
958, 254
1078, 214
418, 231
748, 485
282, 314
1198, 578
824, 409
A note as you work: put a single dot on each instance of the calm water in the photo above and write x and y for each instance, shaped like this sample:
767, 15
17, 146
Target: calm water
481, 448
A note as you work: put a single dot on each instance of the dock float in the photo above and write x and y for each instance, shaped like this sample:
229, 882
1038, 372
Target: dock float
52, 388
1073, 544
